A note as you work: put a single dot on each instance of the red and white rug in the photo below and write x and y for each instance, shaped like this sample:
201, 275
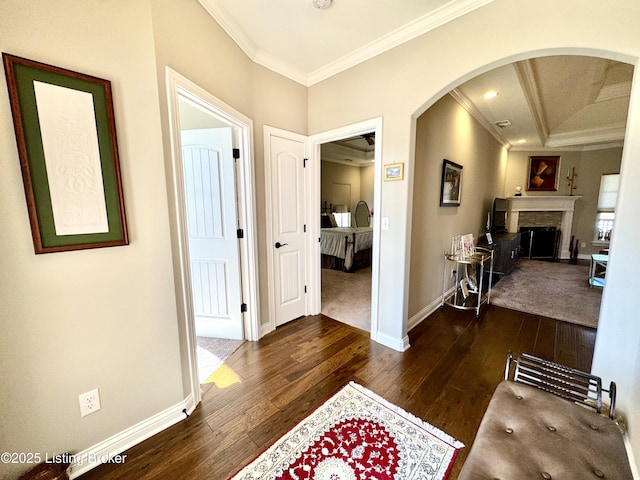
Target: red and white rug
357, 435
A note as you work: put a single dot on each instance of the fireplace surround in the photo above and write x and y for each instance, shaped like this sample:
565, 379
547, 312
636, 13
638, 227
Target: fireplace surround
547, 203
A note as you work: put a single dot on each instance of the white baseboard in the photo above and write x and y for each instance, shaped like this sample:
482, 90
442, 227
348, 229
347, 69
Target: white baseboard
112, 447
631, 457
416, 319
581, 256
400, 345
264, 329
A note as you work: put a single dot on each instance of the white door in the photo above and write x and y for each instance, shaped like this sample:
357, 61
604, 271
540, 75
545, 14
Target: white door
209, 177
286, 163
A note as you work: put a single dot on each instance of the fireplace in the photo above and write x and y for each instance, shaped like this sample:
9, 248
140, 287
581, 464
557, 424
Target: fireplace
540, 243
551, 211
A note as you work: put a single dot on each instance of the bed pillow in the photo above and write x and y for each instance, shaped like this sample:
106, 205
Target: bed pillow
334, 224
325, 220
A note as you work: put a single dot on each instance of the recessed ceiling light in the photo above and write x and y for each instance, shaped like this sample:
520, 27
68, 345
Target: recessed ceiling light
521, 141
490, 94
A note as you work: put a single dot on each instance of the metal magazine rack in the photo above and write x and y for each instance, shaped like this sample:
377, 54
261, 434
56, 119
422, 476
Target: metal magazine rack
465, 285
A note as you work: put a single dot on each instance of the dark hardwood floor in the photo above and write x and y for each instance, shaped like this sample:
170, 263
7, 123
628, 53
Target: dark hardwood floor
446, 378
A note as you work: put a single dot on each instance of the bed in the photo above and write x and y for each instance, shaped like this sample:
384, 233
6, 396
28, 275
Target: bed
346, 248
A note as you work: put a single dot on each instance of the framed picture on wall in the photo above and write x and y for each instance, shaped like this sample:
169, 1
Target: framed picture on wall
543, 174
451, 186
65, 130
394, 171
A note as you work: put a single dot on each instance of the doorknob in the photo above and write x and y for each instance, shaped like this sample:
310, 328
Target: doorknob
278, 244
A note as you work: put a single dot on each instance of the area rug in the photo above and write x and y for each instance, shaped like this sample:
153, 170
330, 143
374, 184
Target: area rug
357, 435
556, 290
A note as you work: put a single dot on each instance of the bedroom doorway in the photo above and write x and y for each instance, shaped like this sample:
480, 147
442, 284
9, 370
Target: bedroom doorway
347, 198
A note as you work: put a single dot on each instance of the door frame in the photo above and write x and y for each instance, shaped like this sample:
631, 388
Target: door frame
179, 86
314, 202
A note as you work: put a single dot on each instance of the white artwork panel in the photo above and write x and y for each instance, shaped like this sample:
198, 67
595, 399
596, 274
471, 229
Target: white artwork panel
72, 159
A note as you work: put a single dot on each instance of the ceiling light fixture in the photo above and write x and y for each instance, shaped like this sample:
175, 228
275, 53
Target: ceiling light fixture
521, 141
491, 94
322, 4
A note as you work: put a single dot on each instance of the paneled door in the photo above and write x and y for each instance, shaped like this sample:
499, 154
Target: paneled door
286, 159
210, 191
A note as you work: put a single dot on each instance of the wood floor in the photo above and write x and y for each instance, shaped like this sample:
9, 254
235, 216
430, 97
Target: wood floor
446, 378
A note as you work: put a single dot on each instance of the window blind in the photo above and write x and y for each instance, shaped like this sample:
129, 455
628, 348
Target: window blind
608, 192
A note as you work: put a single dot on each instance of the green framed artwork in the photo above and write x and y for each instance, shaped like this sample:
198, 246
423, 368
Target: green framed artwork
65, 131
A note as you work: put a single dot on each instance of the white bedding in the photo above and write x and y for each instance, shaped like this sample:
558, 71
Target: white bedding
333, 241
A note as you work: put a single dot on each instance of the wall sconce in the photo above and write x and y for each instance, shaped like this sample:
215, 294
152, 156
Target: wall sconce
571, 177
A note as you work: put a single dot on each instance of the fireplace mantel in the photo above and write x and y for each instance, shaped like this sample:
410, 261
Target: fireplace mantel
547, 203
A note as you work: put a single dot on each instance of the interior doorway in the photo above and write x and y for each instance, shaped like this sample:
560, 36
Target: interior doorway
368, 127
346, 217
210, 187
214, 220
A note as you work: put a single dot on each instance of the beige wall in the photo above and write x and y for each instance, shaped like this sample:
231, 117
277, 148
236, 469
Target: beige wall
105, 318
593, 164
191, 43
446, 130
402, 83
108, 318
336, 173
589, 166
367, 185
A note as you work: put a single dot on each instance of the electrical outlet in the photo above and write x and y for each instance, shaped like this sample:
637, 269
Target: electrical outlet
89, 402
583, 244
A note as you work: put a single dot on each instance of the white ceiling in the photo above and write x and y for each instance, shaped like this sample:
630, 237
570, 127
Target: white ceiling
551, 103
308, 44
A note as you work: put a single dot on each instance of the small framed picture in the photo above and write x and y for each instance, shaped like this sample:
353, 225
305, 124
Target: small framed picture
394, 171
451, 187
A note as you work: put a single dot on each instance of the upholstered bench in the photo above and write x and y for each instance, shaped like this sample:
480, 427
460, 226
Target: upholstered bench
530, 432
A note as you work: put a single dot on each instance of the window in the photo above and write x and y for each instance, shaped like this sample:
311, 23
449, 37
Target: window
606, 207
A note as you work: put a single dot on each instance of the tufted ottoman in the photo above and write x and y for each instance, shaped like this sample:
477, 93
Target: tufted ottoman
527, 433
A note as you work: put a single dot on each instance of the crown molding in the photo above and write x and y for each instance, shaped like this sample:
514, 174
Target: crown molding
598, 139
447, 13
276, 65
471, 108
574, 148
229, 25
585, 138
